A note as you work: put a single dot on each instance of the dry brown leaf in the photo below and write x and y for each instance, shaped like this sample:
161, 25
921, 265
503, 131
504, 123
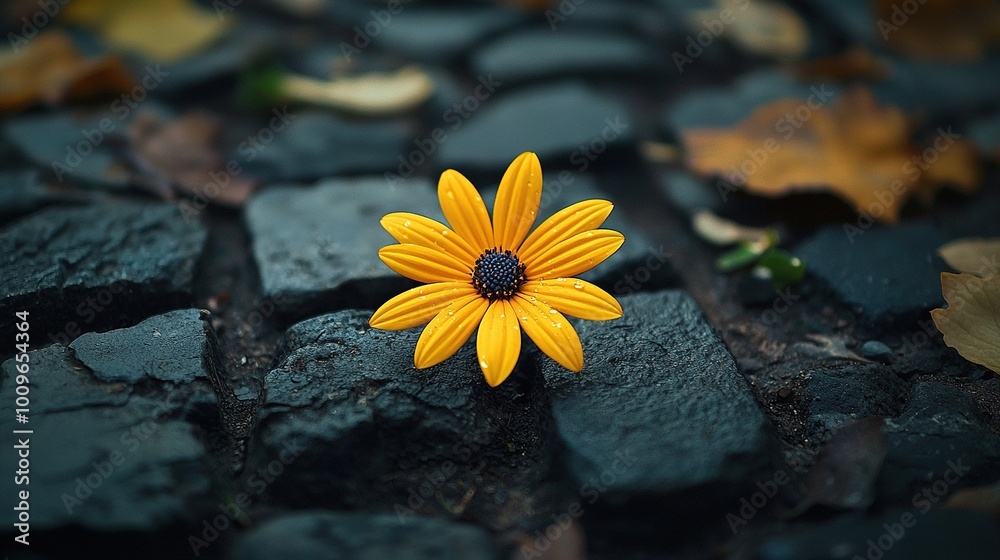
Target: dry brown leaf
375, 93
761, 27
856, 148
50, 69
942, 30
183, 154
162, 30
846, 468
971, 322
973, 256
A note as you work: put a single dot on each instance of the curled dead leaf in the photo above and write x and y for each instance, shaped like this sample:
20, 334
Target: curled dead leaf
971, 322
973, 256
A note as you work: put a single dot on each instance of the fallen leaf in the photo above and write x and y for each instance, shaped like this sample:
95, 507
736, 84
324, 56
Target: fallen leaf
720, 231
162, 30
971, 322
846, 468
50, 69
856, 148
375, 93
781, 267
761, 27
973, 256
942, 30
183, 155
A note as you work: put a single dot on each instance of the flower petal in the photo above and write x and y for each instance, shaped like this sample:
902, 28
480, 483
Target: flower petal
419, 230
574, 297
416, 306
465, 210
498, 342
424, 264
517, 201
552, 333
566, 223
572, 256
449, 330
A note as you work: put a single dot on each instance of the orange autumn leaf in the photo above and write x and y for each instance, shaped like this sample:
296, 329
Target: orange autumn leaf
855, 148
50, 69
939, 30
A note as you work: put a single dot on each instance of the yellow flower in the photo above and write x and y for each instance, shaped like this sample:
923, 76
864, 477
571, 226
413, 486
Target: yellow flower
498, 277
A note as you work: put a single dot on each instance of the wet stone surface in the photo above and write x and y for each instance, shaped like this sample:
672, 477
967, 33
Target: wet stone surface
660, 414
314, 145
537, 53
79, 269
340, 384
326, 535
315, 246
128, 457
566, 122
890, 274
941, 432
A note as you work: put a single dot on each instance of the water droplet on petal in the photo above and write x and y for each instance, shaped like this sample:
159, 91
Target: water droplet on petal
578, 285
450, 312
406, 223
483, 364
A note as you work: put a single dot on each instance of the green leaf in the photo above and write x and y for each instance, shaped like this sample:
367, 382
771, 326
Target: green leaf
785, 269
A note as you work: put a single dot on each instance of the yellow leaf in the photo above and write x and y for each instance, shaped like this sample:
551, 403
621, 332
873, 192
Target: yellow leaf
971, 322
162, 30
369, 94
973, 256
856, 148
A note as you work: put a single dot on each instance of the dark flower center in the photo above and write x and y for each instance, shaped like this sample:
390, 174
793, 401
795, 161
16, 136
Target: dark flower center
498, 274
